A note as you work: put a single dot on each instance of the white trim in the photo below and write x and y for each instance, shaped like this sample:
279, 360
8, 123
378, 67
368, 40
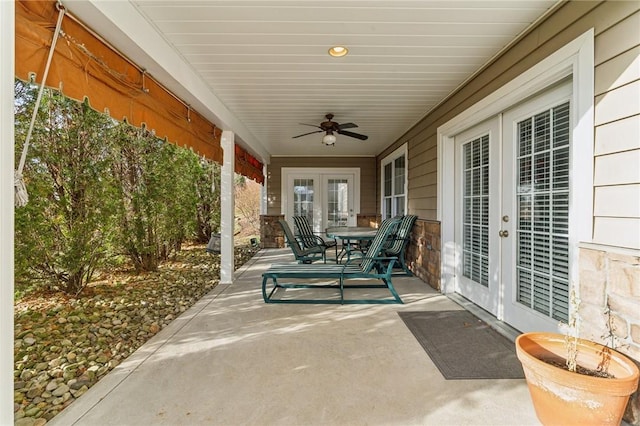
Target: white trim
7, 76
227, 207
399, 152
576, 59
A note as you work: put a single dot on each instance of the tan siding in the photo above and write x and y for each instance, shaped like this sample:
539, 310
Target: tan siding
620, 37
368, 178
618, 71
617, 104
618, 201
620, 168
616, 231
618, 136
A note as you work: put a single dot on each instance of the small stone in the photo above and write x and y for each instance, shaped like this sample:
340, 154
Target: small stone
41, 366
80, 391
25, 421
29, 341
79, 383
62, 320
154, 328
71, 356
40, 422
52, 385
32, 412
26, 375
35, 391
60, 390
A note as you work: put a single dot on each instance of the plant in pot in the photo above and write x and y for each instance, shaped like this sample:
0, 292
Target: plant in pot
573, 381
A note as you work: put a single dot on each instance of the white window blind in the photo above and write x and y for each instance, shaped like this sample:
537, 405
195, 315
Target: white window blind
475, 222
543, 212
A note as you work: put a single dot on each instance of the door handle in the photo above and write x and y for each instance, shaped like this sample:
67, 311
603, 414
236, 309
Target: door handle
503, 234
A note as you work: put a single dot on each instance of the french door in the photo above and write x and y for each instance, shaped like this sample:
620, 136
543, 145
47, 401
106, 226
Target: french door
326, 198
512, 212
477, 215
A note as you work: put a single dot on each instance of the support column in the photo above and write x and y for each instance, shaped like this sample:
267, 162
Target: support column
7, 73
263, 192
227, 208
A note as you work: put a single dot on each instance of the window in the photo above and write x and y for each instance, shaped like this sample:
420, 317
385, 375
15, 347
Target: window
303, 198
394, 184
475, 222
543, 203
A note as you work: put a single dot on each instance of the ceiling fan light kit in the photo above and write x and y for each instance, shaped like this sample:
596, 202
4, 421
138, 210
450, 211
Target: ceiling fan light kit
330, 127
329, 139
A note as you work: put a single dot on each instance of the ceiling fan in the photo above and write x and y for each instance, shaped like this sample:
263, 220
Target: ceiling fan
329, 127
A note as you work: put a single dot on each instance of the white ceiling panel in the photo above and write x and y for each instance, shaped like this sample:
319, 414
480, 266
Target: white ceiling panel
266, 61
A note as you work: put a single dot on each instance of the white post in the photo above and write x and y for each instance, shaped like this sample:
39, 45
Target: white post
263, 192
227, 208
7, 75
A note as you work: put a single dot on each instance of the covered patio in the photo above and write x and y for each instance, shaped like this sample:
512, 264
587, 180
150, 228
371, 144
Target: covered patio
232, 359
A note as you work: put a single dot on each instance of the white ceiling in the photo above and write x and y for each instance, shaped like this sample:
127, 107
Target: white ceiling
266, 69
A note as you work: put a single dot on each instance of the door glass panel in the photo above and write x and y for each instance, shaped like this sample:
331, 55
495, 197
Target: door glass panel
337, 202
398, 179
543, 212
303, 198
387, 180
475, 226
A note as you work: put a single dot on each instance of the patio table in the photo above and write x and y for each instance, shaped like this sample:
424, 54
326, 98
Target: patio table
351, 236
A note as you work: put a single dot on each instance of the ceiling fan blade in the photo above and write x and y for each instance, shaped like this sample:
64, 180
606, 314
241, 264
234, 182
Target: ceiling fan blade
347, 126
310, 133
353, 135
312, 125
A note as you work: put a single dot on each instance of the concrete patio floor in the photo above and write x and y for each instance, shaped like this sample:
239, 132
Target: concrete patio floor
232, 359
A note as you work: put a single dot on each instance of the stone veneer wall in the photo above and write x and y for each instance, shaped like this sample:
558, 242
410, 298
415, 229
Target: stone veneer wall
271, 234
609, 309
423, 252
370, 220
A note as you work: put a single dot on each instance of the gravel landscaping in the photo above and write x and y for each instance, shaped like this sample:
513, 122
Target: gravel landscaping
64, 345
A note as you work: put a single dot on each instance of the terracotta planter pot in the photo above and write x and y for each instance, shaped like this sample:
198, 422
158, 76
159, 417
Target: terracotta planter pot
561, 397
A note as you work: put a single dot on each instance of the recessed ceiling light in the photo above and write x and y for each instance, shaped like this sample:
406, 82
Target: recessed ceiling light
338, 51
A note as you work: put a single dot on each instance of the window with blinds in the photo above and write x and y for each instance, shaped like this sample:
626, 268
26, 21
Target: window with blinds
394, 192
475, 222
542, 194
